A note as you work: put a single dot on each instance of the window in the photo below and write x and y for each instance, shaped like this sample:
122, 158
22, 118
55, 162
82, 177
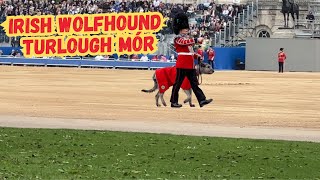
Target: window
263, 34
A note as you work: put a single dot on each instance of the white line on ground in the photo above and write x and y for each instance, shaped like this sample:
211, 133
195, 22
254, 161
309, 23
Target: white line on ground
178, 128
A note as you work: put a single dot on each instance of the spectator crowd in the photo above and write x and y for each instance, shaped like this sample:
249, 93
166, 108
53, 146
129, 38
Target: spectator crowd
210, 18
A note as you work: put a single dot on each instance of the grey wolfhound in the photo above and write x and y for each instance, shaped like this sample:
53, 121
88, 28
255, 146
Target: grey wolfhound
164, 78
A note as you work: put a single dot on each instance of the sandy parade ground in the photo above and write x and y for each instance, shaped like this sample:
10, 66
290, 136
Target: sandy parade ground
251, 104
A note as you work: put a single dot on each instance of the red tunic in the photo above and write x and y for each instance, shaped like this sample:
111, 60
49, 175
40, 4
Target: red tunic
200, 52
166, 78
186, 55
211, 55
281, 56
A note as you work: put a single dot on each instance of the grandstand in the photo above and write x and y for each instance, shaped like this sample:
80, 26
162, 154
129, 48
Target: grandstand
219, 23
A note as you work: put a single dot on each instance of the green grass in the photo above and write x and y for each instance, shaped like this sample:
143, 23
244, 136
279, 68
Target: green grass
73, 154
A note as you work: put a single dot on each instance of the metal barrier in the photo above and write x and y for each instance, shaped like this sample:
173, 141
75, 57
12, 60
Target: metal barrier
83, 63
237, 28
311, 30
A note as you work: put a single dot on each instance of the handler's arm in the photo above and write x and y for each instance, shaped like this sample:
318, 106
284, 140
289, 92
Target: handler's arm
196, 56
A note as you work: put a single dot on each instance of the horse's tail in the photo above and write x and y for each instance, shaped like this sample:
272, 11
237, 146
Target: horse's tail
155, 86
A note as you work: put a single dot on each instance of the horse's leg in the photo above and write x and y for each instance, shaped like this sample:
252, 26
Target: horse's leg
284, 19
297, 14
157, 99
288, 18
293, 19
162, 100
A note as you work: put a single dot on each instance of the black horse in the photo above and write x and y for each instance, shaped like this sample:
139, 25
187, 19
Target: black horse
289, 7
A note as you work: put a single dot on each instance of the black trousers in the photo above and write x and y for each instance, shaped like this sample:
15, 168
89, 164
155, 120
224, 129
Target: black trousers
192, 76
280, 67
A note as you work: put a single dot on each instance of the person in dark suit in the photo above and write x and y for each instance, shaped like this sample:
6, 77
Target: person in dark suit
310, 18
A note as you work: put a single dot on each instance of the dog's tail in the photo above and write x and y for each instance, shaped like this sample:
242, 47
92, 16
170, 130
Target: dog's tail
149, 90
155, 86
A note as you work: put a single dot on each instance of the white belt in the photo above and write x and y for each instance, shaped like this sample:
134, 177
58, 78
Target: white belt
185, 53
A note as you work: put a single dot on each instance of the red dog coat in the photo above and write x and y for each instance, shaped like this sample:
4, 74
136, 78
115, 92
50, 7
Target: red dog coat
166, 78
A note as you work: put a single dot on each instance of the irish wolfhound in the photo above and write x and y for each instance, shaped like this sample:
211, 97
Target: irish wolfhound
164, 78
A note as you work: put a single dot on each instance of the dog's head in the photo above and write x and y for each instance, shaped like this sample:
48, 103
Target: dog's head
205, 68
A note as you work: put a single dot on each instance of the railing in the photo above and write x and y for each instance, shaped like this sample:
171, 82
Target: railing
239, 25
312, 29
71, 62
315, 8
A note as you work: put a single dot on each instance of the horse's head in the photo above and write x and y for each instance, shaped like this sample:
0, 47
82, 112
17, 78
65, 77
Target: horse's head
205, 68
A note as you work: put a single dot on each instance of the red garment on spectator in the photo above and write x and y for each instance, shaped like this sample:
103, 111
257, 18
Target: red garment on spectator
155, 58
282, 57
211, 54
200, 51
134, 57
166, 78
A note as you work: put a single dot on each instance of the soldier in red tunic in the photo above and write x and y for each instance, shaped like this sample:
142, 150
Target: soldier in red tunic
281, 59
185, 61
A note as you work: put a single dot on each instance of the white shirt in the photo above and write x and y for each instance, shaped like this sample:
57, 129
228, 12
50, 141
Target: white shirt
98, 57
156, 3
225, 12
144, 58
172, 58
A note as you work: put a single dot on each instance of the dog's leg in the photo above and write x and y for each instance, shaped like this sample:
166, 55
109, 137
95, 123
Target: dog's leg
157, 99
189, 97
162, 99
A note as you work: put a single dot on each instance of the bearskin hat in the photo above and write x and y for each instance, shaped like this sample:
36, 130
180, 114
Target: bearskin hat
180, 21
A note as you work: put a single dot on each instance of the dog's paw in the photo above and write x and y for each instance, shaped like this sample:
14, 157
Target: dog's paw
165, 105
185, 101
192, 105
158, 105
